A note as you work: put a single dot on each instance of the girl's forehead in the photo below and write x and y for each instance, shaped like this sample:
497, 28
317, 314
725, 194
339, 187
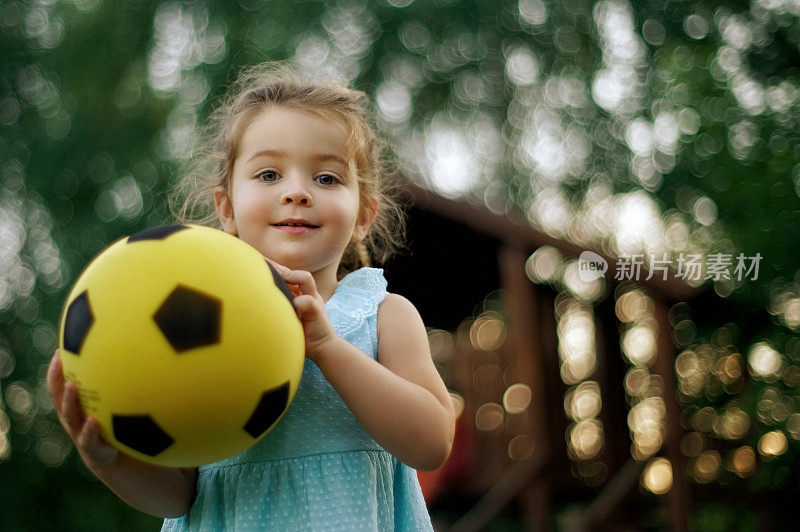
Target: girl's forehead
281, 128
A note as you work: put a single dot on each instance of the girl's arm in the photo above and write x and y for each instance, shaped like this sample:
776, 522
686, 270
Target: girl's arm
400, 400
157, 490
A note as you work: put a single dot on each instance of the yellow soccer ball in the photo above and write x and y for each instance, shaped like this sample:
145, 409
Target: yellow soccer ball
183, 343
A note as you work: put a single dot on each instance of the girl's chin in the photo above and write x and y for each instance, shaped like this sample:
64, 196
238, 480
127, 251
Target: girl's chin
293, 263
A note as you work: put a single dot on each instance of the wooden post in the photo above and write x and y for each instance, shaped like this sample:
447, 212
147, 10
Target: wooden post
525, 479
677, 497
610, 375
555, 389
525, 342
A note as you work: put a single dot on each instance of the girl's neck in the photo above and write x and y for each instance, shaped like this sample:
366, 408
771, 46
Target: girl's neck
326, 282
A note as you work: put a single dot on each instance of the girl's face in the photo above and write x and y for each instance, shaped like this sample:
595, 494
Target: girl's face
290, 194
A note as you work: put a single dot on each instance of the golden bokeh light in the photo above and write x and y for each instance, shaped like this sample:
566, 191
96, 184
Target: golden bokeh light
576, 342
639, 343
585, 439
691, 370
703, 419
646, 423
742, 461
5, 447
791, 376
544, 265
637, 382
692, 444
576, 331
632, 306
646, 444
5, 423
684, 332
733, 424
773, 444
647, 414
577, 367
487, 378
489, 417
729, 368
521, 447
517, 398
488, 332
771, 405
764, 360
580, 289
793, 426
705, 467
657, 476
583, 401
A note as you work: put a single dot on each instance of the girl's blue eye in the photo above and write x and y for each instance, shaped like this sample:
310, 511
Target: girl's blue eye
326, 179
268, 175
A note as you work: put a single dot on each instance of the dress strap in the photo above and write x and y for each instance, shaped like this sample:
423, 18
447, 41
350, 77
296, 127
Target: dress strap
356, 301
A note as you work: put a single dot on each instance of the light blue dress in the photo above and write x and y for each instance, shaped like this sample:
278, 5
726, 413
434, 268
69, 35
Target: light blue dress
317, 469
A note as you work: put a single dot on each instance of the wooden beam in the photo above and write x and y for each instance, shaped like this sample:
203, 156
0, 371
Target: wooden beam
493, 501
607, 500
516, 231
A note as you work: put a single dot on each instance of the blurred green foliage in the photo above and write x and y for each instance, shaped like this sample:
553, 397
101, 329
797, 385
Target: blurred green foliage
99, 102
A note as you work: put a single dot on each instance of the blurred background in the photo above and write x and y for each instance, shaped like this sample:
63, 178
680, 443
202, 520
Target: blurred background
652, 132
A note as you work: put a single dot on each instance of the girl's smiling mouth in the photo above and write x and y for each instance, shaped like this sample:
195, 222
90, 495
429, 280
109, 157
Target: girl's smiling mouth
295, 225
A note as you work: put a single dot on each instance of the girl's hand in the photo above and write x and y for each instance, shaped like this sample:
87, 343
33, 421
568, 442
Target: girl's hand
310, 308
84, 430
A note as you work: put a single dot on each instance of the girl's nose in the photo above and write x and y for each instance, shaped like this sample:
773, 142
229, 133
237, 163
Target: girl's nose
296, 195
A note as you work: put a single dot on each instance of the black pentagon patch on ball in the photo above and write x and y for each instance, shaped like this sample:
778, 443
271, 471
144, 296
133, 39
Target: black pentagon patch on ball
189, 318
280, 282
140, 433
77, 322
156, 233
272, 404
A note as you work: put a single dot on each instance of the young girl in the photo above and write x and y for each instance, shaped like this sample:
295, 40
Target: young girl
297, 174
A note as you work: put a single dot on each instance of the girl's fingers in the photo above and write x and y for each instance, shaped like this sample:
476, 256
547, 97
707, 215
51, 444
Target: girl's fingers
306, 306
303, 279
92, 443
55, 379
296, 279
280, 267
72, 414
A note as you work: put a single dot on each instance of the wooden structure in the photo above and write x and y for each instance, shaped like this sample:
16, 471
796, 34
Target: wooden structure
460, 254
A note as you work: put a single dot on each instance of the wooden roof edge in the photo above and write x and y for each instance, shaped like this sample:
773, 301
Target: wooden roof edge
515, 231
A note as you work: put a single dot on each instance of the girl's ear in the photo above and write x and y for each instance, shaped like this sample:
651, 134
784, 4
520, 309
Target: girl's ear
365, 218
224, 208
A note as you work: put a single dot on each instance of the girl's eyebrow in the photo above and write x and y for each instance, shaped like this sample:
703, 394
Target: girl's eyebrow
322, 157
267, 153
330, 157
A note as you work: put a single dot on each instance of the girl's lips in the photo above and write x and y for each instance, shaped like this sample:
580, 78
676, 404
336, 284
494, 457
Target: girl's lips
294, 228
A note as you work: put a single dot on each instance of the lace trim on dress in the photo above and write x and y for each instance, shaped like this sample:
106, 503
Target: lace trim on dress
366, 288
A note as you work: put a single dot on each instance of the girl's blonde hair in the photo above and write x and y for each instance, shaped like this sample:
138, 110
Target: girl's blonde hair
269, 84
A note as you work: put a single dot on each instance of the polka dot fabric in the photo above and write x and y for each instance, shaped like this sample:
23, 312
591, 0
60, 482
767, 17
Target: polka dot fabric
317, 469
